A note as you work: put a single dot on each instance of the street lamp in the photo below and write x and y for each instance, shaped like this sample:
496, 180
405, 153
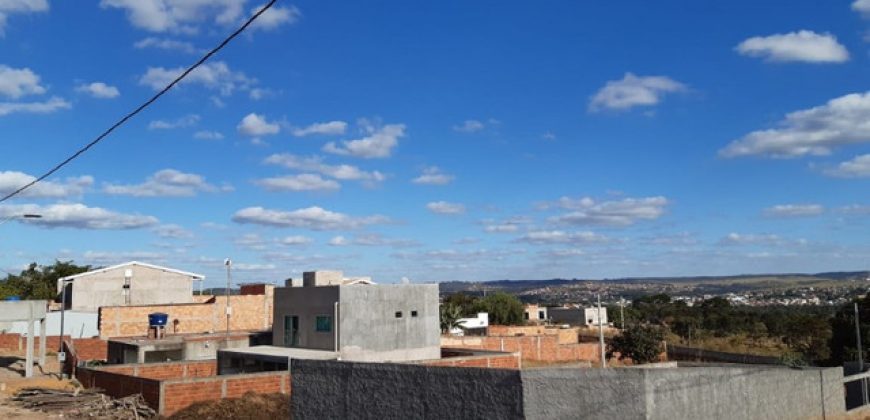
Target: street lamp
21, 216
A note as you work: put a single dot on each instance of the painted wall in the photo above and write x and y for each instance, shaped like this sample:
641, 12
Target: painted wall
306, 303
76, 324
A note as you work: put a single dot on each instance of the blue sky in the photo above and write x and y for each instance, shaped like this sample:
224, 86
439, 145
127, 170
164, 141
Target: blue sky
441, 141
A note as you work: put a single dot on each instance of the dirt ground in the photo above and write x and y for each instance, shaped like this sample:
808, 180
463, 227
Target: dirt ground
12, 379
250, 406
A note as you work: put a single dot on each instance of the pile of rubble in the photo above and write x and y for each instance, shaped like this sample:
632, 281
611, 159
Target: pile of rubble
84, 403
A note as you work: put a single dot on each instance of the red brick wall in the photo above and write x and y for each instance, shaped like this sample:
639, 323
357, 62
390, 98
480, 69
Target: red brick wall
117, 384
91, 348
178, 394
170, 370
502, 361
545, 348
253, 289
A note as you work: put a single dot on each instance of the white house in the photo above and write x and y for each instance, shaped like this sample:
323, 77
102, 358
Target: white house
473, 325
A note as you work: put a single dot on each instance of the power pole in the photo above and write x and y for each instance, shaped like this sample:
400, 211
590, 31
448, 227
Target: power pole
860, 355
622, 313
601, 334
229, 310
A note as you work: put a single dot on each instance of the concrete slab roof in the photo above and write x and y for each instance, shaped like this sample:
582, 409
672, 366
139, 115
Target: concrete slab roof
289, 352
129, 263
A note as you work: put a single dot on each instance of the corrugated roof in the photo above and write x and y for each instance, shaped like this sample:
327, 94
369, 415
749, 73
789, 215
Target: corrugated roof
129, 263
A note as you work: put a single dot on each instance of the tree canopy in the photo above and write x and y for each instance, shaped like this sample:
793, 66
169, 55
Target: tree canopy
39, 281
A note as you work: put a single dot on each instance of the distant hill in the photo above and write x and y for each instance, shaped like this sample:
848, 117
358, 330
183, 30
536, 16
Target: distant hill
647, 285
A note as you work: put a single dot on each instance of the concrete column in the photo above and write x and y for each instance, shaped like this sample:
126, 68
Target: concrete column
28, 360
42, 343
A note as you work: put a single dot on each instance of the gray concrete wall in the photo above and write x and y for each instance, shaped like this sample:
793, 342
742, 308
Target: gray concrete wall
147, 286
362, 390
744, 393
369, 329
345, 390
571, 316
307, 303
584, 393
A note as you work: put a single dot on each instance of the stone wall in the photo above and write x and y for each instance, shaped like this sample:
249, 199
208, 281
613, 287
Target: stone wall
249, 313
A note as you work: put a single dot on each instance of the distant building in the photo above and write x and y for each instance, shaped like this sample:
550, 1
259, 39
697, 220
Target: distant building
534, 313
130, 283
472, 326
577, 316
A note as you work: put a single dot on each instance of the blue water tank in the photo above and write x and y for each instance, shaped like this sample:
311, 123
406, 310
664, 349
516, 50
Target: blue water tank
157, 319
13, 298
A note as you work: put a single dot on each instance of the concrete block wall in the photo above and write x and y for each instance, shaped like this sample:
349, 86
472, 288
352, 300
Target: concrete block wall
330, 389
339, 390
250, 313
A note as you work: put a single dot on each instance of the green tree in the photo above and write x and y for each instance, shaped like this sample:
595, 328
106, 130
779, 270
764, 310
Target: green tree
39, 282
503, 309
450, 315
641, 343
469, 305
843, 345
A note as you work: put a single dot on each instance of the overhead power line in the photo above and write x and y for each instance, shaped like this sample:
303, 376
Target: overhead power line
141, 107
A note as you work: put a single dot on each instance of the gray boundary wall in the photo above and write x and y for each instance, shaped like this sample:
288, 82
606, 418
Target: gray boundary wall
333, 389
709, 392
346, 390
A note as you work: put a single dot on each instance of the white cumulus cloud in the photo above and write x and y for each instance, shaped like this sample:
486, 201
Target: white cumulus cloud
10, 7
469, 126
314, 218
805, 46
562, 237
315, 164
15, 83
275, 17
165, 183
632, 91
624, 212
254, 125
325, 128
379, 142
443, 207
301, 182
79, 216
215, 76
814, 131
181, 122
857, 167
433, 176
99, 90
794, 210
71, 187
208, 135
39, 107
166, 44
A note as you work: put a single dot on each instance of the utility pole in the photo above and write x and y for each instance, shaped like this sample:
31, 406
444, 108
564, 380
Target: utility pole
622, 313
860, 355
601, 334
61, 356
229, 265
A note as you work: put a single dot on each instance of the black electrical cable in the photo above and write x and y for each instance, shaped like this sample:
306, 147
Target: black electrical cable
143, 106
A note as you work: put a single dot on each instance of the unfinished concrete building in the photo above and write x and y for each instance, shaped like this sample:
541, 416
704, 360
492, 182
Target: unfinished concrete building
395, 322
130, 283
328, 316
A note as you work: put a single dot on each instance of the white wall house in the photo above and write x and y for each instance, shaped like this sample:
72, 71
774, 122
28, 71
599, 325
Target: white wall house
481, 321
591, 316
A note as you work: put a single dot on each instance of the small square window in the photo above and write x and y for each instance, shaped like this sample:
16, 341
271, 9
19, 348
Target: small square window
413, 314
323, 324
398, 314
